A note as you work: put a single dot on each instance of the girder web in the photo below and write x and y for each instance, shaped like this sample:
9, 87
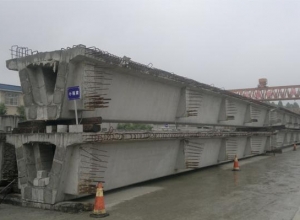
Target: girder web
93, 163
231, 109
255, 112
256, 145
193, 152
96, 82
231, 148
194, 102
273, 117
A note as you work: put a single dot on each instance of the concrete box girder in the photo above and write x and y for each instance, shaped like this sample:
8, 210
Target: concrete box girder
77, 165
133, 93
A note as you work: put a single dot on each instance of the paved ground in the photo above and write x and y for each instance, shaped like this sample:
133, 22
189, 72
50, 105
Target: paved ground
267, 187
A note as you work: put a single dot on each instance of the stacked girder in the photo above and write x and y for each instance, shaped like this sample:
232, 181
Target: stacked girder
60, 165
120, 90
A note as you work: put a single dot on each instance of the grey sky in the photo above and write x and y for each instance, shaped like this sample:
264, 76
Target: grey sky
226, 43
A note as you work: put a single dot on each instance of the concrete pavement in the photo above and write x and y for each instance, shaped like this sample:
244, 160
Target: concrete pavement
267, 187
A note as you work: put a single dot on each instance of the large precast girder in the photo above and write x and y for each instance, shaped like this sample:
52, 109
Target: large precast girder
120, 90
59, 166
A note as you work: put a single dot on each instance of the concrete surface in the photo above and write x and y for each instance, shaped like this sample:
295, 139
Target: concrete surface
266, 188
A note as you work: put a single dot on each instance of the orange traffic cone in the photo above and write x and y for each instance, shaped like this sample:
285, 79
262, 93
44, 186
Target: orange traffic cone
99, 206
295, 147
236, 164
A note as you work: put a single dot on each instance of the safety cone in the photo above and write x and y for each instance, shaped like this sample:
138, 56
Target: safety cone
99, 206
295, 147
236, 164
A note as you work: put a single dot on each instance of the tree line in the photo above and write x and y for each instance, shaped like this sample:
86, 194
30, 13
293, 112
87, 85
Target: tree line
290, 106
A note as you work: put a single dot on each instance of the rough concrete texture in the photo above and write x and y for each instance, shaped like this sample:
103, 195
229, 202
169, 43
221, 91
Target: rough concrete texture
42, 164
75, 128
131, 90
68, 206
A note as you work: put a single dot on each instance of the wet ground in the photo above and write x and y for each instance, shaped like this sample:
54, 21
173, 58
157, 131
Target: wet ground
267, 187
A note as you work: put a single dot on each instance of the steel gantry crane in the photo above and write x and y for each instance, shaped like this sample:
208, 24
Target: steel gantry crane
266, 93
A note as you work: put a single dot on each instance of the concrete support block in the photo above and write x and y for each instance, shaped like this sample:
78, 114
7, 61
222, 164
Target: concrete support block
36, 181
42, 173
75, 128
37, 195
62, 128
51, 129
41, 182
46, 181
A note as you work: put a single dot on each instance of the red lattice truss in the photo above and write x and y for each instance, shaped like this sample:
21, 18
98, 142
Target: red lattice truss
270, 93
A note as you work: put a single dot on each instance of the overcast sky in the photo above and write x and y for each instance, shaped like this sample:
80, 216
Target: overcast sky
230, 44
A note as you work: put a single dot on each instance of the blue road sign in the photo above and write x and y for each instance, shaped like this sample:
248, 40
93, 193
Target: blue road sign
73, 92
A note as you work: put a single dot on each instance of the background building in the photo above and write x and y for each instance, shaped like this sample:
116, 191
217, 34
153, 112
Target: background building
12, 97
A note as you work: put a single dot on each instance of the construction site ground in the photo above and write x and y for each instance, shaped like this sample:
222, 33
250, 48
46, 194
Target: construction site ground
266, 187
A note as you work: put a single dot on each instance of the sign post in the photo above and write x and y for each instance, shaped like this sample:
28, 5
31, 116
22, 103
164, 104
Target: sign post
76, 116
74, 94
